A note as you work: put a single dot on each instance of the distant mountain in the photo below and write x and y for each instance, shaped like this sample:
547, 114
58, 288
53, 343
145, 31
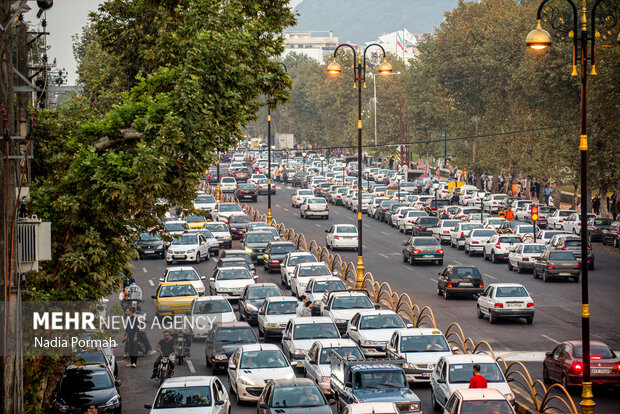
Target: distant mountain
360, 21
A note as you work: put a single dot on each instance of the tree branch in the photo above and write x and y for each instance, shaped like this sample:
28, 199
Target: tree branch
126, 135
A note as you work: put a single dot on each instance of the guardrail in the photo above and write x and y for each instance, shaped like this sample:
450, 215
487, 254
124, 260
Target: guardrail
539, 395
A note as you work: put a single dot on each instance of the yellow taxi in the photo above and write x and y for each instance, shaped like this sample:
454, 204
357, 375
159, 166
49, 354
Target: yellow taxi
195, 222
172, 298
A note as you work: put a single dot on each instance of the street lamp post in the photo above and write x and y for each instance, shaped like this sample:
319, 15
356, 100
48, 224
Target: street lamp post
269, 157
435, 187
540, 39
359, 81
217, 191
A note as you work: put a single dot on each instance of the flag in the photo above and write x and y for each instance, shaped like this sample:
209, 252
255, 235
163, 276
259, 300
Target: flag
400, 42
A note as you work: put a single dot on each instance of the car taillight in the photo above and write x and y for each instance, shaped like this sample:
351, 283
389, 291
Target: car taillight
433, 208
336, 237
326, 207
577, 267
308, 207
618, 367
589, 247
422, 228
474, 242
530, 305
254, 191
576, 367
560, 221
499, 305
595, 357
550, 266
481, 285
525, 259
579, 224
563, 247
410, 221
449, 284
497, 244
239, 191
439, 250
462, 235
446, 232
416, 251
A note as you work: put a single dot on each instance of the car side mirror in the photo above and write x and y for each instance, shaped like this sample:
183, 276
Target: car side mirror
148, 406
377, 306
161, 279
220, 402
313, 362
326, 231
348, 385
441, 381
353, 328
153, 297
331, 401
410, 325
118, 383
548, 354
263, 407
404, 243
286, 337
232, 367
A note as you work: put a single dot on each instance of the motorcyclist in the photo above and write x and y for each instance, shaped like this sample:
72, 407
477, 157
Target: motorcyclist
165, 347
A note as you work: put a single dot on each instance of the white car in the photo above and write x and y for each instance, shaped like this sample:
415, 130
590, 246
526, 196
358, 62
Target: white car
251, 367
184, 274
221, 232
442, 231
523, 229
299, 196
467, 192
318, 285
572, 224
228, 185
545, 236
493, 222
372, 207
371, 408
475, 240
463, 212
522, 256
204, 202
494, 202
314, 207
556, 220
453, 372
405, 224
205, 311
302, 274
476, 199
341, 306
255, 177
505, 300
460, 231
366, 200
223, 211
481, 400
188, 248
341, 236
300, 333
176, 227
399, 214
422, 348
289, 262
442, 190
317, 361
274, 314
229, 282
371, 329
498, 247
208, 394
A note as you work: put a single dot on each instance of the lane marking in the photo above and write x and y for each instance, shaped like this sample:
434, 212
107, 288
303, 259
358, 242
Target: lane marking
285, 209
151, 282
350, 218
433, 279
457, 262
277, 205
144, 269
549, 338
385, 233
384, 255
394, 254
492, 277
318, 225
190, 365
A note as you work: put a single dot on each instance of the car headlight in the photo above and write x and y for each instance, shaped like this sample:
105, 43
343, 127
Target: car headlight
414, 406
251, 307
191, 250
249, 250
200, 289
272, 325
112, 402
221, 356
325, 379
227, 237
246, 381
509, 396
371, 342
408, 365
299, 352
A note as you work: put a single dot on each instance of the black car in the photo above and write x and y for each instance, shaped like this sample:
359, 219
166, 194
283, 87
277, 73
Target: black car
223, 340
572, 243
255, 243
247, 191
461, 280
150, 245
557, 264
253, 297
84, 386
422, 226
433, 205
298, 178
295, 395
611, 235
274, 254
238, 253
237, 223
387, 217
382, 209
596, 225
235, 262
422, 249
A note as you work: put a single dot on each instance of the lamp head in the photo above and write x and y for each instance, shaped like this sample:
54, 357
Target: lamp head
538, 39
385, 68
334, 68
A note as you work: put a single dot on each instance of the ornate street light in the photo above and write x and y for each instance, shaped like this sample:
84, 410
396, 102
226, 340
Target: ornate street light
269, 218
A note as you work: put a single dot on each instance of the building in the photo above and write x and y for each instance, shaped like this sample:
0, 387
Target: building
317, 45
401, 43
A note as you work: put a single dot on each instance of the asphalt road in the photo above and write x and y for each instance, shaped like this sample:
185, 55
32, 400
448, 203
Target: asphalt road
557, 304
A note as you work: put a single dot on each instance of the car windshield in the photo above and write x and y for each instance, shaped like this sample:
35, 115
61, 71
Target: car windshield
217, 227
346, 229
425, 241
182, 275
424, 343
83, 380
186, 239
204, 232
486, 406
414, 213
258, 238
561, 256
295, 260
297, 396
262, 292
510, 239
328, 286
266, 358
282, 308
233, 274
282, 248
316, 201
462, 373
195, 219
379, 378
228, 335
602, 222
450, 223
602, 351
572, 243
149, 237
314, 270
183, 397
175, 227
177, 290
483, 233
526, 229
230, 207
350, 353
352, 302
305, 192
236, 262
381, 322
228, 180
471, 226
315, 331
565, 213
240, 219
536, 248
94, 356
428, 221
466, 273
212, 306
511, 292
207, 199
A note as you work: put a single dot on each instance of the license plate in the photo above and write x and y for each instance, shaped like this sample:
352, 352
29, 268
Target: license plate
600, 371
514, 305
426, 374
429, 255
149, 251
564, 274
178, 257
465, 285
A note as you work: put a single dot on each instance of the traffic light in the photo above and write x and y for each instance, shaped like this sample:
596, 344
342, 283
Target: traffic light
534, 213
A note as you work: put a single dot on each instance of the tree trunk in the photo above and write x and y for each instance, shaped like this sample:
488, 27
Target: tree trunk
603, 195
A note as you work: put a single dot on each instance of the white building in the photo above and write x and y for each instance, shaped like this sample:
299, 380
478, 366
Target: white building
317, 45
401, 42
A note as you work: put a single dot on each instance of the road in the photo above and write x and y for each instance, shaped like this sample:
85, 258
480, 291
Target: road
557, 315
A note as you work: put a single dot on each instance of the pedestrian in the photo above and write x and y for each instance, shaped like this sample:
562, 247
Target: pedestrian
550, 201
596, 204
533, 187
537, 189
614, 205
477, 381
548, 192
131, 336
510, 215
303, 308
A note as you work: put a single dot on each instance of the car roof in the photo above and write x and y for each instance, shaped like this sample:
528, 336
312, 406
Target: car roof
176, 222
506, 285
171, 268
234, 324
468, 358
419, 331
213, 222
477, 394
324, 278
175, 283
262, 284
309, 320
300, 254
308, 264
192, 381
282, 382
282, 299
260, 347
210, 298
365, 312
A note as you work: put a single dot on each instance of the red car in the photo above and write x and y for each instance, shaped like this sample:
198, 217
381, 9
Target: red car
565, 364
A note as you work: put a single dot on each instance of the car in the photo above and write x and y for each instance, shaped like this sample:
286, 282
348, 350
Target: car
460, 280
290, 261
441, 232
544, 236
405, 224
391, 211
423, 226
372, 328
453, 372
341, 236
228, 184
611, 235
212, 242
462, 213
526, 229
303, 272
301, 332
371, 408
556, 220
221, 232
241, 174
173, 298
290, 396
572, 223
274, 314
188, 248
175, 228
374, 204
314, 207
399, 214
494, 202
262, 186
381, 210
341, 306
557, 264
184, 274
223, 340
493, 222
475, 239
195, 222
298, 178
254, 178
274, 254
98, 355
83, 386
202, 394
223, 211
564, 365
204, 311
505, 300
476, 198
237, 223
230, 281
458, 233
252, 366
522, 256
508, 226
299, 196
204, 202
236, 258
498, 247
422, 348
422, 249
517, 203
316, 288
478, 400
149, 245
246, 191
596, 225
255, 242
267, 228
317, 361
253, 297
572, 243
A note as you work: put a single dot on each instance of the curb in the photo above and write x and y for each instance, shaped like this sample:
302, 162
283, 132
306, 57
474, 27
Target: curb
523, 403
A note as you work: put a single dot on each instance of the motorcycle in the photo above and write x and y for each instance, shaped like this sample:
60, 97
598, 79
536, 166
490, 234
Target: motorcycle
165, 368
183, 343
132, 298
